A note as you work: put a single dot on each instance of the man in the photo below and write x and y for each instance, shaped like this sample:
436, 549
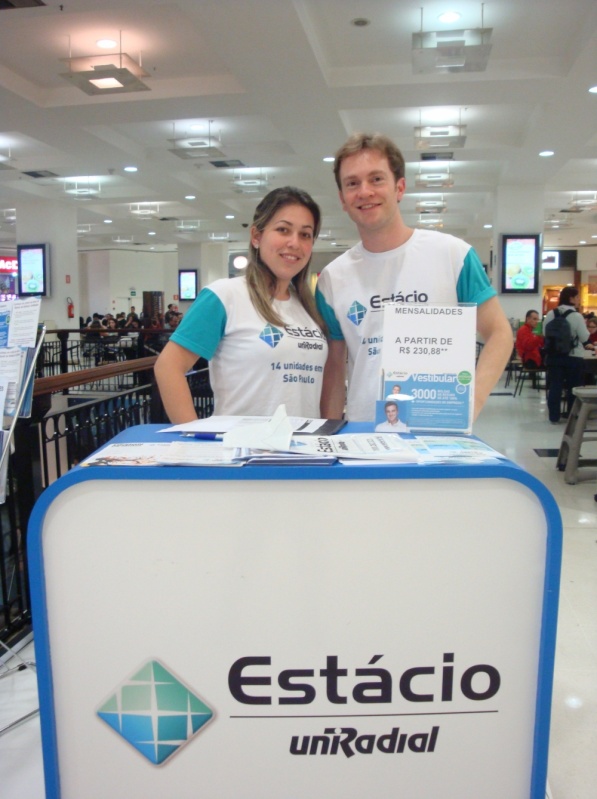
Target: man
393, 261
565, 370
392, 423
529, 344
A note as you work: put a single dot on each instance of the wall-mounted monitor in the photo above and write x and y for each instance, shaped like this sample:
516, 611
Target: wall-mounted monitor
187, 284
33, 263
520, 263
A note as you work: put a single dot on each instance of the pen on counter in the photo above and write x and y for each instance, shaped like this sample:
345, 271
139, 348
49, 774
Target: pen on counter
205, 436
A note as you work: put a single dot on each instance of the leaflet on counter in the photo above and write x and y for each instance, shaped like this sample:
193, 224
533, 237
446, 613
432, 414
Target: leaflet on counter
223, 424
364, 446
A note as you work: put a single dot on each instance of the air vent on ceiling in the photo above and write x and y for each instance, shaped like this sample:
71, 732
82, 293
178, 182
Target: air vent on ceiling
188, 153
232, 163
6, 4
168, 218
437, 156
41, 173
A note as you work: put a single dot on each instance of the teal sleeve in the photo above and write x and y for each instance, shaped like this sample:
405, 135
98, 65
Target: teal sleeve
473, 284
203, 326
329, 317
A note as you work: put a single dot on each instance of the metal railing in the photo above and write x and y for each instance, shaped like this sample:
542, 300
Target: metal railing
52, 441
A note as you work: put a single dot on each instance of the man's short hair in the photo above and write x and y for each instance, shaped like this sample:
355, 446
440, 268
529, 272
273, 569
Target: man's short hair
370, 141
529, 313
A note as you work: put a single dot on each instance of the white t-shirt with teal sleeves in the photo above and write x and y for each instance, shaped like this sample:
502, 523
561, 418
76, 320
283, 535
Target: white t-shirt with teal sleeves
253, 366
430, 268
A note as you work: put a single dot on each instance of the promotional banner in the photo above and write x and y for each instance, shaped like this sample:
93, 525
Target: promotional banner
283, 639
428, 363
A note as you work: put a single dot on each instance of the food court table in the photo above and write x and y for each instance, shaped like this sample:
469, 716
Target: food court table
306, 632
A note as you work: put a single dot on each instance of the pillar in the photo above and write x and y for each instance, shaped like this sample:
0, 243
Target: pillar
41, 222
517, 209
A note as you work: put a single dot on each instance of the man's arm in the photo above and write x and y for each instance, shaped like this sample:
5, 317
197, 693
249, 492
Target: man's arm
495, 330
333, 393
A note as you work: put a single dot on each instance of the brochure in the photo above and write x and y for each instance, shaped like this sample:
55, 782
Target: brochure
428, 362
364, 446
223, 424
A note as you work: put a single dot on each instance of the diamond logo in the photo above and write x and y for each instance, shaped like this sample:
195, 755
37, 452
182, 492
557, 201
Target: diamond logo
356, 313
155, 712
271, 335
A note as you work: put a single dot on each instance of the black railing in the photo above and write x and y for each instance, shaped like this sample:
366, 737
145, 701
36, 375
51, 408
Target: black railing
53, 441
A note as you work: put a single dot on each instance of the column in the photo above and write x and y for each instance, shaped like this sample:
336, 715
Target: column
41, 222
518, 209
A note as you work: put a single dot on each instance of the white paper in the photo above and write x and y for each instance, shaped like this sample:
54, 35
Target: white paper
10, 370
273, 434
364, 446
222, 424
22, 331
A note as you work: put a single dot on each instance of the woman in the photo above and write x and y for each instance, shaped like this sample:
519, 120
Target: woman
592, 328
261, 332
565, 371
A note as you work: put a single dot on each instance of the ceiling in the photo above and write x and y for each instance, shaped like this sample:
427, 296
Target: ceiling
278, 85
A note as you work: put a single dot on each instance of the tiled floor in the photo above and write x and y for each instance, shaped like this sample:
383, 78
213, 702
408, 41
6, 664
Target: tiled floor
516, 427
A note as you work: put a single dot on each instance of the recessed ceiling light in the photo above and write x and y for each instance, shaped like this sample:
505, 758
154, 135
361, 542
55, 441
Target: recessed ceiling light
582, 242
329, 159
546, 153
106, 44
449, 16
240, 262
594, 237
130, 169
151, 232
229, 216
190, 197
107, 221
593, 89
487, 227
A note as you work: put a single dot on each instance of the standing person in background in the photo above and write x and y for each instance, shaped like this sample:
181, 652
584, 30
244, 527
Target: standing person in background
565, 370
260, 332
394, 261
529, 345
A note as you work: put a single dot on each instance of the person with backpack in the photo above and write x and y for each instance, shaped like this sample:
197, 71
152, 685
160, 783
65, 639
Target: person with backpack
565, 336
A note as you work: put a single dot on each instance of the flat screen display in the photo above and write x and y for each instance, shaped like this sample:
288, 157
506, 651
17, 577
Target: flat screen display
550, 259
520, 263
187, 284
33, 270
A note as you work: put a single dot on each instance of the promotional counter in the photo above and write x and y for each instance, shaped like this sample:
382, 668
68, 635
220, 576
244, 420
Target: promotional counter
294, 632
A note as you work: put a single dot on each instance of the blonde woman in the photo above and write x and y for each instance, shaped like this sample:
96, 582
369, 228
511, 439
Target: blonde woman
261, 332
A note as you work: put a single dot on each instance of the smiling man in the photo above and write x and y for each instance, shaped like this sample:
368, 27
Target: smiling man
397, 263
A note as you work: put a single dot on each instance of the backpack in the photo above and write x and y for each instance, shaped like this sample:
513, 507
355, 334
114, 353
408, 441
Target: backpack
559, 339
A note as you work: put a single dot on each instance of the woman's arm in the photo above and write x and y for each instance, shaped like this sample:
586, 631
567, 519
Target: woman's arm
333, 394
170, 369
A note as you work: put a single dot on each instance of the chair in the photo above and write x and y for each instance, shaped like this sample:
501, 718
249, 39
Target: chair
514, 365
579, 430
534, 373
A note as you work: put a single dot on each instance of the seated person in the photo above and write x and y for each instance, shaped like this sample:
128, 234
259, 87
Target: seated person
392, 423
592, 328
529, 345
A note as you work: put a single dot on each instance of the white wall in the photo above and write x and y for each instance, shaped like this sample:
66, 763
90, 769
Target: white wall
109, 276
586, 259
